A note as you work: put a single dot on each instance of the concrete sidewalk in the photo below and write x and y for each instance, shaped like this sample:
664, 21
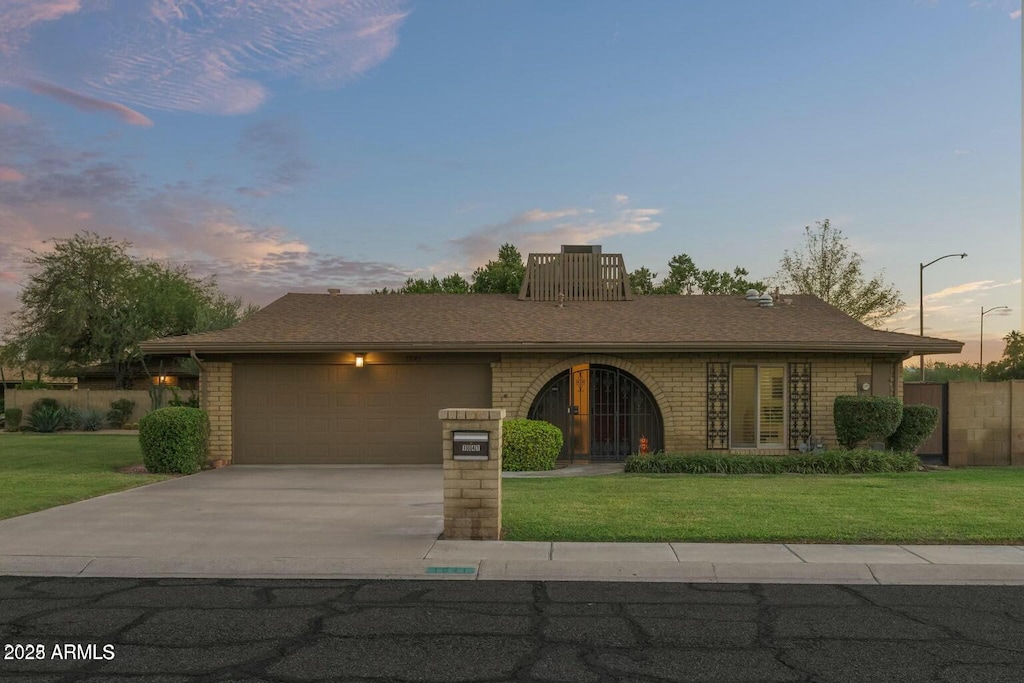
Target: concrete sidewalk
504, 560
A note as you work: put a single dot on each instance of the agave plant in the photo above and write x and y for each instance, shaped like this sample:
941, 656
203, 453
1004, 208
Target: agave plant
46, 418
89, 419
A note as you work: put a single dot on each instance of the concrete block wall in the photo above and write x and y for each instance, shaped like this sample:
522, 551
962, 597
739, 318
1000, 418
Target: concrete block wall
215, 395
986, 423
472, 488
678, 383
97, 399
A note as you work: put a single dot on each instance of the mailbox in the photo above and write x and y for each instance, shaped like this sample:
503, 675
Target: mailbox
470, 445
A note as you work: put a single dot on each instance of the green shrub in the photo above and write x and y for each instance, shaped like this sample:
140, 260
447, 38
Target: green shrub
89, 419
32, 384
857, 461
45, 401
860, 418
47, 418
120, 411
918, 423
529, 445
12, 419
191, 402
174, 439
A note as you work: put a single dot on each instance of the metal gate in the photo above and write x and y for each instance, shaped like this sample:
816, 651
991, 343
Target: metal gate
935, 449
603, 413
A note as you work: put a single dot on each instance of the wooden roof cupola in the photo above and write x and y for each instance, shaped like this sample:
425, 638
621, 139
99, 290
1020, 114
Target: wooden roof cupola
578, 273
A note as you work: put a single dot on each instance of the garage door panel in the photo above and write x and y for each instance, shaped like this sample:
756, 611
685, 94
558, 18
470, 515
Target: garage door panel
314, 426
303, 413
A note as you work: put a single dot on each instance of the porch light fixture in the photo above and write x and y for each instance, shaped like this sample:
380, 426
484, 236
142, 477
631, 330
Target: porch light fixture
359, 360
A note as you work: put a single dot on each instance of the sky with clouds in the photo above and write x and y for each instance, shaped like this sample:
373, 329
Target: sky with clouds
352, 143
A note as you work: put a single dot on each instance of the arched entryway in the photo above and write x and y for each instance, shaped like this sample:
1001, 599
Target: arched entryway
603, 412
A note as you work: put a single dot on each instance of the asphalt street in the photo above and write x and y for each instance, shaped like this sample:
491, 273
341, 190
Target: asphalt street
91, 629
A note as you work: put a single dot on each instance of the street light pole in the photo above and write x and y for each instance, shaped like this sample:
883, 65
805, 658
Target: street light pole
920, 308
981, 346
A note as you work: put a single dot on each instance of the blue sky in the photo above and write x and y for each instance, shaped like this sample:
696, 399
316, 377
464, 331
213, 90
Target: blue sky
297, 146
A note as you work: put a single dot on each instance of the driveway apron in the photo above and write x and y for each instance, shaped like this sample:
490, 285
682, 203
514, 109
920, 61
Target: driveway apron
330, 511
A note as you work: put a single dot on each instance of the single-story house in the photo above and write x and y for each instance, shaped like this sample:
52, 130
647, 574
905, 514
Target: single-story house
333, 378
11, 378
102, 376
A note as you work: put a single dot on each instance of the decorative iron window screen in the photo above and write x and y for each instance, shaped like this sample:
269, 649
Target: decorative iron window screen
718, 406
799, 404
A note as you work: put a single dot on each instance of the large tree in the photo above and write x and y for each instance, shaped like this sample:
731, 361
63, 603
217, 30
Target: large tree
89, 301
1011, 365
453, 284
824, 265
503, 276
684, 277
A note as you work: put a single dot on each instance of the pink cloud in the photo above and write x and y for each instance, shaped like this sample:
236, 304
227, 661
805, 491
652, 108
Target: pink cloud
9, 114
18, 16
10, 175
564, 226
86, 103
215, 57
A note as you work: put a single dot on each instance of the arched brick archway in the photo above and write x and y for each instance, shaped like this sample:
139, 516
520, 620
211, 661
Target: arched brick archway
652, 385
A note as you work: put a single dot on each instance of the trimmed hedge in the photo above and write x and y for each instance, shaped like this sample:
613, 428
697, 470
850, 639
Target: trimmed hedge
529, 445
861, 418
12, 419
919, 421
856, 461
174, 440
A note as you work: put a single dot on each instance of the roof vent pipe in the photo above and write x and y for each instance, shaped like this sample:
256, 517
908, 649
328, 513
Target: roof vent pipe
752, 295
765, 301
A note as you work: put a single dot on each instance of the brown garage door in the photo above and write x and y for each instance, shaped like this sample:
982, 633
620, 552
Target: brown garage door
318, 414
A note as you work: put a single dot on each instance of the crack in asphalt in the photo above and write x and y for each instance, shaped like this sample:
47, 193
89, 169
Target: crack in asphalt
287, 631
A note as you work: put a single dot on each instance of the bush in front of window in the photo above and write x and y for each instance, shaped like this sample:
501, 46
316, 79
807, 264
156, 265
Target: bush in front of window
529, 445
865, 418
918, 423
856, 461
174, 440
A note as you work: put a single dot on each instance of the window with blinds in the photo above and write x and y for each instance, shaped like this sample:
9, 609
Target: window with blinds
757, 406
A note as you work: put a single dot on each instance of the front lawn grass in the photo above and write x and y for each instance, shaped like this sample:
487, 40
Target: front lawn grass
39, 471
982, 505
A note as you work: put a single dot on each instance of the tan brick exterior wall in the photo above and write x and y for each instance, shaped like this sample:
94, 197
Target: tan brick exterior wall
678, 383
472, 488
215, 390
986, 423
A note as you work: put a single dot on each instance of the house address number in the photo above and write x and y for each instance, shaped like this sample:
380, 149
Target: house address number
470, 445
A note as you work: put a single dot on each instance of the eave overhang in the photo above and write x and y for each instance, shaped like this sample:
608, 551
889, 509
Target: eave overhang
928, 347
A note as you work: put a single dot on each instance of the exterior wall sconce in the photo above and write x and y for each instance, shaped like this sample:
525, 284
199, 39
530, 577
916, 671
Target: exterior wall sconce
359, 360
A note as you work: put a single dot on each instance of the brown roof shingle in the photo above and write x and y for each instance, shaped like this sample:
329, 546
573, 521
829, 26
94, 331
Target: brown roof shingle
495, 322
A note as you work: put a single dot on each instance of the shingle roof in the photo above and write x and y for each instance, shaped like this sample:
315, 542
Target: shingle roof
499, 322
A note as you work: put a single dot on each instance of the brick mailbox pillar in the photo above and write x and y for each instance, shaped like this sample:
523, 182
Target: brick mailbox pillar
471, 439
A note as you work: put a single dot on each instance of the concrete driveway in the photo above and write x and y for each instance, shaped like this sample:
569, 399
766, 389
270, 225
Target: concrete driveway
392, 512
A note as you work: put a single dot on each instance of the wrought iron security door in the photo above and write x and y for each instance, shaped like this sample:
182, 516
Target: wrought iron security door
603, 413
